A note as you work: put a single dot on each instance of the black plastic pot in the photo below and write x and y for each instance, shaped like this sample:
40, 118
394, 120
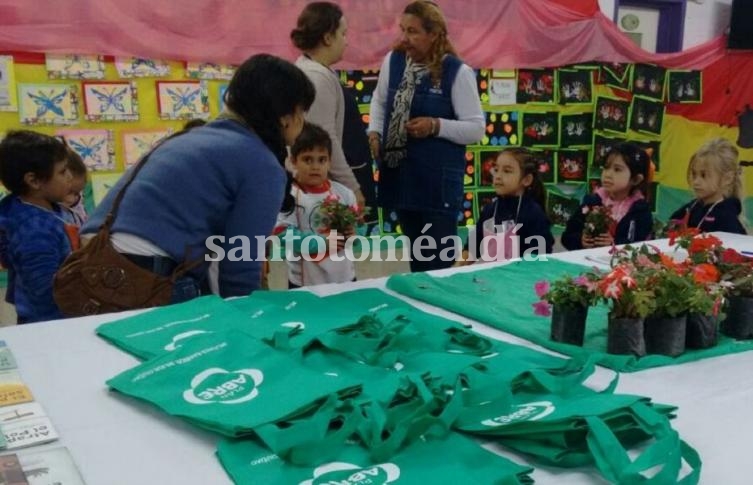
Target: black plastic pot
665, 335
569, 324
701, 331
625, 336
739, 321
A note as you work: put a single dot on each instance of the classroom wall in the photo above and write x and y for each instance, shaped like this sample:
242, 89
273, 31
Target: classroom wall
704, 19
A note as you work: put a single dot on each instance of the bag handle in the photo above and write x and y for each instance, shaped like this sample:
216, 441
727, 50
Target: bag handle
667, 451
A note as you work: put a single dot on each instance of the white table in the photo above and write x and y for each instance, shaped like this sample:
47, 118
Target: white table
116, 440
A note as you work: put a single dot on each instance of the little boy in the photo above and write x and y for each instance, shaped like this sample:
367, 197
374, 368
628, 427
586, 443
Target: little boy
33, 239
310, 160
73, 205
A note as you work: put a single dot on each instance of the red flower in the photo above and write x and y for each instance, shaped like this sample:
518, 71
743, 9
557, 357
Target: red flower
705, 273
703, 244
731, 256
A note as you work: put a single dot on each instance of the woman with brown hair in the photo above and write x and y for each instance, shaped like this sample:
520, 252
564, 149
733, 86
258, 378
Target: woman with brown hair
320, 34
424, 112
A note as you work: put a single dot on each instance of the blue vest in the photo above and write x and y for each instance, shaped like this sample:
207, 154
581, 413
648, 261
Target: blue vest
431, 177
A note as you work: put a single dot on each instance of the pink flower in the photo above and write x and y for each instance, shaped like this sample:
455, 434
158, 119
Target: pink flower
581, 281
542, 309
332, 198
541, 288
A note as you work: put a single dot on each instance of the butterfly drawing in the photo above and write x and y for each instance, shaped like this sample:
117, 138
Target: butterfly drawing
147, 63
183, 98
110, 98
88, 148
48, 102
73, 60
144, 144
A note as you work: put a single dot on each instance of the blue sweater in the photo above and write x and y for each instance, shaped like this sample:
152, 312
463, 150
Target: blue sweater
33, 245
219, 179
721, 217
532, 219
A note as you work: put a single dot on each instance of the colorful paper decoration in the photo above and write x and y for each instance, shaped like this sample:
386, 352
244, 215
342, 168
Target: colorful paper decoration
137, 143
388, 222
653, 148
572, 165
95, 147
469, 177
647, 115
576, 129
535, 86
8, 98
617, 75
601, 148
48, 104
685, 87
102, 182
465, 215
363, 83
501, 129
110, 101
648, 80
560, 207
75, 66
502, 92
487, 160
540, 129
482, 84
209, 70
611, 114
547, 163
575, 86
129, 67
182, 100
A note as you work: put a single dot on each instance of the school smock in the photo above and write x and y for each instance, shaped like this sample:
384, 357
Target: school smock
531, 217
33, 245
303, 222
723, 216
636, 225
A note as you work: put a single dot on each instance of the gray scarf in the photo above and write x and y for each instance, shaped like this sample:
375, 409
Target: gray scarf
395, 146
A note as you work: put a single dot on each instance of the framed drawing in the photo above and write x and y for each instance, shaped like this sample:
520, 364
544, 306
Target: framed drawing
75, 66
95, 147
137, 143
182, 100
110, 101
48, 104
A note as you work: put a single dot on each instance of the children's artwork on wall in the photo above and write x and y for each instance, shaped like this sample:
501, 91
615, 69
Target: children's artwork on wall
102, 182
503, 73
541, 129
616, 75
137, 143
8, 99
110, 101
182, 100
482, 84
559, 207
611, 114
48, 104
221, 95
601, 148
535, 86
363, 83
137, 67
486, 163
572, 165
95, 147
647, 115
501, 129
593, 184
469, 176
502, 92
75, 66
388, 221
653, 148
685, 87
465, 215
576, 129
483, 198
209, 70
575, 86
648, 80
547, 163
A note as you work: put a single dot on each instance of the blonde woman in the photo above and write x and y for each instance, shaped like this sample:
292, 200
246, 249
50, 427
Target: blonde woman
424, 112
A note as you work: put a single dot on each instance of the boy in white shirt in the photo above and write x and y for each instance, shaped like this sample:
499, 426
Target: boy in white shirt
310, 159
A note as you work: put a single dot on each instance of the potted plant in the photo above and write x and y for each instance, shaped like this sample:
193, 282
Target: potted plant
567, 300
632, 300
664, 330
737, 278
598, 220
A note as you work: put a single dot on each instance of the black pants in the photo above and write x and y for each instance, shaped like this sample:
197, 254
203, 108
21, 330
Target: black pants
442, 225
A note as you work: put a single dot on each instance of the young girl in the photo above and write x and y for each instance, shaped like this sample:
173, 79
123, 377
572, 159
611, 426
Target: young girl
519, 201
623, 188
714, 176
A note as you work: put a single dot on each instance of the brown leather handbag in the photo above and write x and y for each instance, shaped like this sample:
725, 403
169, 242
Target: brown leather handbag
98, 279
